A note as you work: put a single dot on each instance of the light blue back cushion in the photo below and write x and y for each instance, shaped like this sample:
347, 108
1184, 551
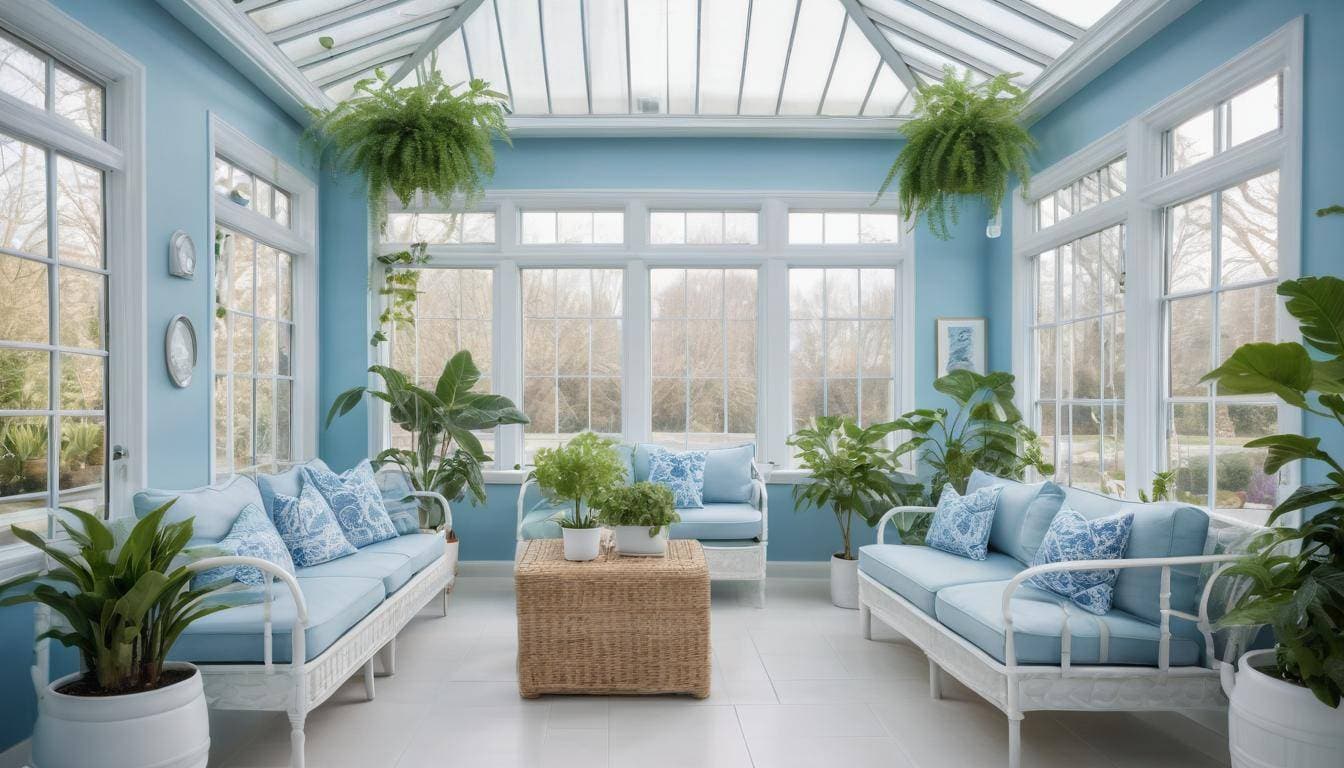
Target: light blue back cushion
215, 507
639, 460
405, 514
1023, 515
727, 471
627, 454
287, 483
1164, 529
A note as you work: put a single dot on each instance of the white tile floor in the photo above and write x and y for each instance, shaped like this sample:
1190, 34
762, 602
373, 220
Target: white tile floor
793, 685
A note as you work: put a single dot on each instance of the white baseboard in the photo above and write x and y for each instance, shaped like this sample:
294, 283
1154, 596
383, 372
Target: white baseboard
785, 569
17, 756
1204, 730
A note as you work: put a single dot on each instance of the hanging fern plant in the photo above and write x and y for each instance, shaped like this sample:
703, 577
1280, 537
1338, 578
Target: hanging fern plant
431, 137
965, 140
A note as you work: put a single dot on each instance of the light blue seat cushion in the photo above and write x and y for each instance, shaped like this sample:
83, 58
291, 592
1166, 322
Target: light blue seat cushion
727, 471
917, 573
335, 604
718, 522
1023, 513
975, 612
420, 548
287, 483
214, 507
394, 561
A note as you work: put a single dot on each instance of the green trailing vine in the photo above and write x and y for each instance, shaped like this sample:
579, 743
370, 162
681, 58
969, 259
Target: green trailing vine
965, 140
401, 286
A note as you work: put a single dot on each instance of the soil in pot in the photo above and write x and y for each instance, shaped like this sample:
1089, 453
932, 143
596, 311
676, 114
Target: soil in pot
88, 684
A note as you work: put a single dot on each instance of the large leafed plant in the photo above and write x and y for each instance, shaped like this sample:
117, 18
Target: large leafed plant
445, 456
965, 140
1293, 578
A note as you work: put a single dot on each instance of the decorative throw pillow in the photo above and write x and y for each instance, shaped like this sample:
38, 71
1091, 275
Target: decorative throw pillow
403, 508
961, 523
1073, 537
253, 535
356, 501
683, 472
309, 529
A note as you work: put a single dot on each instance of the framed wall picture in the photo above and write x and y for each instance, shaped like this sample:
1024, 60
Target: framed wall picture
961, 345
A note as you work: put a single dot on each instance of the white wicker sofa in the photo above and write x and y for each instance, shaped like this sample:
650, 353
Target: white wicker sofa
1024, 649
289, 648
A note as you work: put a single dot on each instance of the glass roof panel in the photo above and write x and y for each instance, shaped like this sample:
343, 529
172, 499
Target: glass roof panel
648, 57
480, 35
520, 24
606, 56
683, 20
923, 59
1006, 22
451, 58
723, 39
855, 68
913, 24
346, 88
819, 26
274, 17
1084, 13
562, 22
371, 55
771, 27
355, 30
888, 93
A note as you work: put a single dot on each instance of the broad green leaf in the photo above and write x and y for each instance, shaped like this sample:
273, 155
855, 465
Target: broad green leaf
1263, 368
459, 375
1318, 304
1288, 448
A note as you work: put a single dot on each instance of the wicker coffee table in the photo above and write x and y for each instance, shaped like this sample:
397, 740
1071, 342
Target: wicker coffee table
614, 625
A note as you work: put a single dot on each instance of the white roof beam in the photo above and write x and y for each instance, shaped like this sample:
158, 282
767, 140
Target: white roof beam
1043, 17
859, 15
788, 54
933, 44
330, 19
359, 44
246, 6
445, 29
830, 74
934, 9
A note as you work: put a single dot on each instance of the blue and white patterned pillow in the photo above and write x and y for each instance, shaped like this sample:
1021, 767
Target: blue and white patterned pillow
253, 535
961, 523
1073, 537
309, 529
357, 502
683, 472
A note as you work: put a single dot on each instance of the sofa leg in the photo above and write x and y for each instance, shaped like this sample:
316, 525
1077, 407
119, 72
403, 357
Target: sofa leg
445, 601
760, 593
935, 681
387, 657
296, 739
1015, 742
368, 679
866, 621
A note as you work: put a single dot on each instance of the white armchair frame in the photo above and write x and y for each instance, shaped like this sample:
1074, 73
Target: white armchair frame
1016, 688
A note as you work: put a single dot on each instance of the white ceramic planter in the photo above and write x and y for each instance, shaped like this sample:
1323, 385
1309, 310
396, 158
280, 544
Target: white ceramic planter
167, 728
844, 582
451, 548
1275, 723
582, 543
635, 540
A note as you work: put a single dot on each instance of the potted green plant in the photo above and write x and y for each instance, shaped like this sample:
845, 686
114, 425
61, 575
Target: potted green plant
1293, 577
80, 441
26, 446
445, 457
851, 474
125, 596
640, 517
584, 469
966, 139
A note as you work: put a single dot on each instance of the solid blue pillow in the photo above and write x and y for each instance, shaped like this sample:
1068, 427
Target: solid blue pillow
683, 472
253, 535
309, 529
403, 509
961, 523
1023, 514
1074, 537
728, 474
357, 502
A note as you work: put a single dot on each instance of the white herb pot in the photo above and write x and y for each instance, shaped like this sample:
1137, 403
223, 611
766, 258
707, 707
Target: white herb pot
165, 728
1271, 722
844, 582
635, 540
582, 543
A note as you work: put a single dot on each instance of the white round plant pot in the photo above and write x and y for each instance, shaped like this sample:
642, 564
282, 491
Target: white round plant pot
450, 548
582, 543
635, 540
844, 582
165, 728
1272, 722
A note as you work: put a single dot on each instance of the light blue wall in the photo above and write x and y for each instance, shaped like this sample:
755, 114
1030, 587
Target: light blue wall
185, 81
1205, 37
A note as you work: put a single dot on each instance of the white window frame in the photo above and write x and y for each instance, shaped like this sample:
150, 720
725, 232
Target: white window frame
771, 255
1147, 193
121, 156
299, 240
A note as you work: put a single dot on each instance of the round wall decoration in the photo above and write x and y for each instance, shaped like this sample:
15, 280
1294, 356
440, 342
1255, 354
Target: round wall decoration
181, 255
179, 350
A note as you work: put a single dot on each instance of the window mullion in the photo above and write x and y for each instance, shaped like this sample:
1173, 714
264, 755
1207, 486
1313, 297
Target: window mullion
636, 365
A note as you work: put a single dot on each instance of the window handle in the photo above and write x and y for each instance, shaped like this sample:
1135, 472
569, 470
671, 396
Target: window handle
119, 452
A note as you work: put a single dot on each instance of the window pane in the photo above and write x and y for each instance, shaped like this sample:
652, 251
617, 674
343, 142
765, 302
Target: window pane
1245, 315
79, 101
667, 227
1192, 141
740, 228
703, 227
1045, 287
805, 228
1249, 233
79, 212
25, 377
1254, 112
842, 228
1190, 344
879, 227
538, 227
1189, 245
23, 74
23, 288
23, 196
1242, 487
1188, 451
25, 449
574, 227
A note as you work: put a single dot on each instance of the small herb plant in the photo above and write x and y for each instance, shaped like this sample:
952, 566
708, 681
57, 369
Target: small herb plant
965, 140
584, 469
1161, 487
401, 286
643, 503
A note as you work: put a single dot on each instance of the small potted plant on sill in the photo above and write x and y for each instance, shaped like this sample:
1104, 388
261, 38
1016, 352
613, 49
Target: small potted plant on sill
584, 469
640, 516
125, 597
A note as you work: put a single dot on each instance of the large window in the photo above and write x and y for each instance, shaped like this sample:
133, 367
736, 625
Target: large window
703, 354
842, 331
571, 353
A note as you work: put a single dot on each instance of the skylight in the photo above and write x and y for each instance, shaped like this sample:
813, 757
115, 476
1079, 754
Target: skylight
721, 58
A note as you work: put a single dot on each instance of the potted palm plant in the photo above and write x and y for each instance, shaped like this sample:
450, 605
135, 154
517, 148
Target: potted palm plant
1285, 701
445, 457
125, 596
640, 516
851, 474
582, 470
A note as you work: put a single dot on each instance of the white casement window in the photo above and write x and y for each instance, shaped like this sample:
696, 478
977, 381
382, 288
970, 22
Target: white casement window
843, 228
263, 326
72, 316
1127, 294
644, 316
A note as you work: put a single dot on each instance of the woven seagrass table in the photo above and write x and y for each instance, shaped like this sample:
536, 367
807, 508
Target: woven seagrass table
614, 625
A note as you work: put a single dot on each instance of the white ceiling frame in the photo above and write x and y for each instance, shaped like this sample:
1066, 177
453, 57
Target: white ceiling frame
256, 5
933, 44
889, 54
445, 30
972, 27
359, 44
342, 75
331, 19
1042, 17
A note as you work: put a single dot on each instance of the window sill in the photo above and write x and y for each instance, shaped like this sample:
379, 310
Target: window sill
17, 560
